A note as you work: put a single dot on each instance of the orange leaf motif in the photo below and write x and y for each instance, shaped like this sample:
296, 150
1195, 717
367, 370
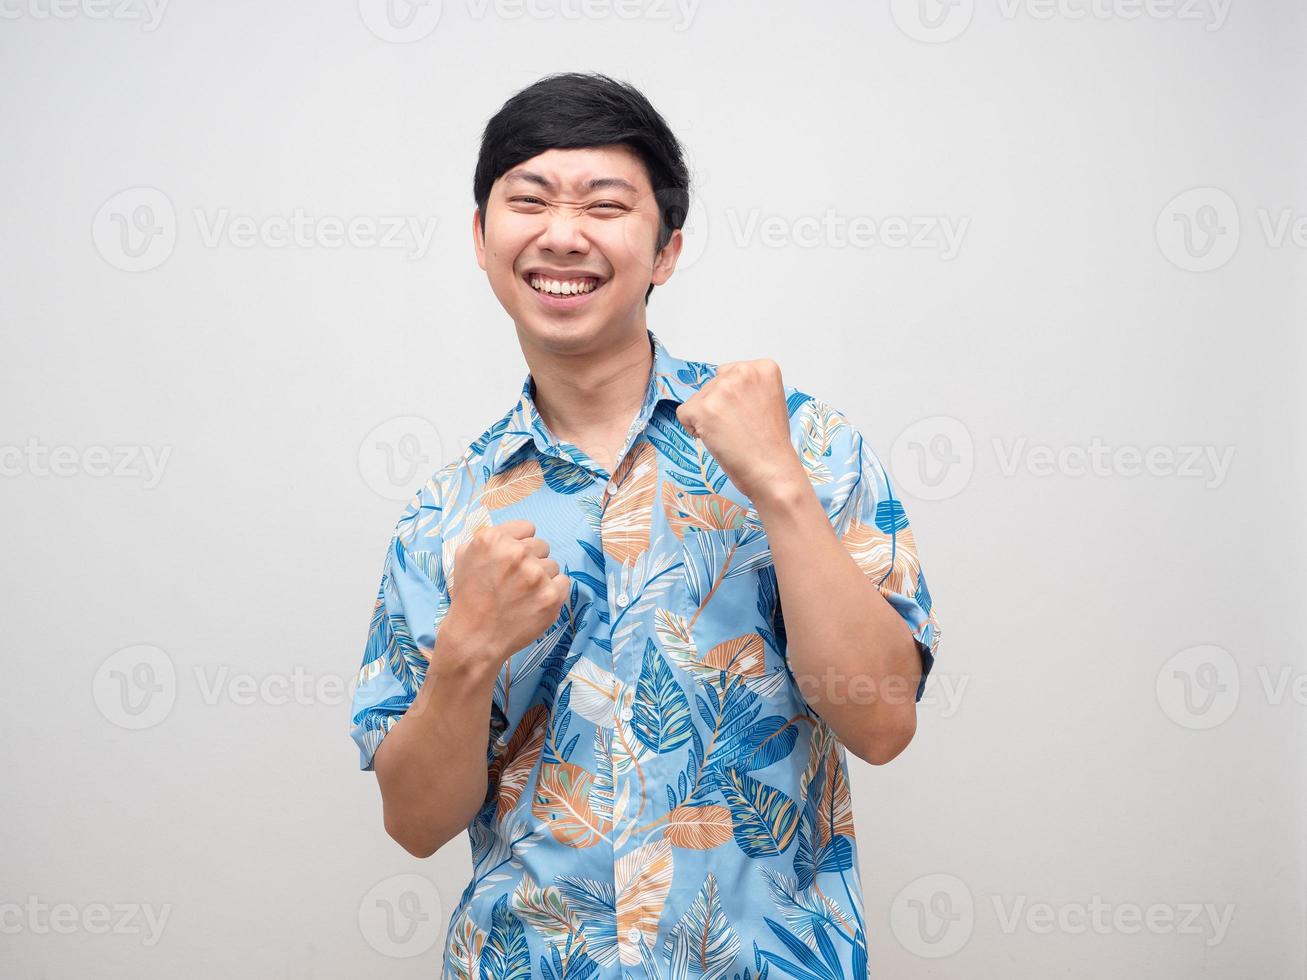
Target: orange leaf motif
700, 511
562, 800
643, 878
835, 811
742, 656
514, 484
628, 518
699, 827
519, 758
891, 558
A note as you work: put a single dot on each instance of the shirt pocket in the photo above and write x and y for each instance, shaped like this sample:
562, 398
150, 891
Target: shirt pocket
728, 600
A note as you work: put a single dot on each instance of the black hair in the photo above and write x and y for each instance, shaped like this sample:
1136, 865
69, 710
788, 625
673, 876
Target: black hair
572, 110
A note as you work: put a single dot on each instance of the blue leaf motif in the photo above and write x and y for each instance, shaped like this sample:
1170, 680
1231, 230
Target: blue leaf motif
837, 855
763, 819
809, 967
564, 476
766, 741
661, 713
505, 955
890, 516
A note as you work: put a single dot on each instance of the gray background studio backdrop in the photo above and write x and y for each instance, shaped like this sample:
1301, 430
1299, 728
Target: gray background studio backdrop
1047, 254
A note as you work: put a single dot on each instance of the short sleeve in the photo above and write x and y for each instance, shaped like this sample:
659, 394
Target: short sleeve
868, 517
411, 601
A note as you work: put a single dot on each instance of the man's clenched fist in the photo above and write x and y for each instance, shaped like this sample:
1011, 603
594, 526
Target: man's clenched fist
741, 417
505, 590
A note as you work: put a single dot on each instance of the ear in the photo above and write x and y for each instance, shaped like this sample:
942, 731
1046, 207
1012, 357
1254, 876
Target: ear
478, 238
665, 261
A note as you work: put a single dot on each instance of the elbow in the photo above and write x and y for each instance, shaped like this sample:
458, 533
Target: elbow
884, 744
421, 844
417, 850
880, 752
420, 836
424, 831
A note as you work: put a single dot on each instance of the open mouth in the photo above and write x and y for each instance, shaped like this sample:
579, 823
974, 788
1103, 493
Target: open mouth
563, 293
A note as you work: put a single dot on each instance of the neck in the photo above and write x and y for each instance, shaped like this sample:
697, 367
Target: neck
585, 391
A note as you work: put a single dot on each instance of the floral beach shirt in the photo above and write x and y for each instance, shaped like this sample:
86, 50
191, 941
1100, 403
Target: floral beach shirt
662, 802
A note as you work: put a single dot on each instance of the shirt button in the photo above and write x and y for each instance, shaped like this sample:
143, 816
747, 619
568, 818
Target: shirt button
622, 600
633, 936
612, 487
626, 712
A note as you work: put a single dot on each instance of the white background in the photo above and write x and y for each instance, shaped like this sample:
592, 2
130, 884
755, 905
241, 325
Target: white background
1074, 746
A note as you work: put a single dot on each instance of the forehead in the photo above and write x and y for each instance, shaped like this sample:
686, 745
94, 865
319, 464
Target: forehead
609, 168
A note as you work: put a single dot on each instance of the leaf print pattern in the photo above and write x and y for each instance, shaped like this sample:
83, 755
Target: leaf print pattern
628, 520
510, 771
692, 512
644, 877
712, 942
505, 489
763, 818
505, 955
562, 799
661, 802
662, 711
699, 827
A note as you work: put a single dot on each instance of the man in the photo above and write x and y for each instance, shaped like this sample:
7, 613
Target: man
578, 653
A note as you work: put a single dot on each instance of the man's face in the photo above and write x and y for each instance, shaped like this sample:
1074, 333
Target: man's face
569, 243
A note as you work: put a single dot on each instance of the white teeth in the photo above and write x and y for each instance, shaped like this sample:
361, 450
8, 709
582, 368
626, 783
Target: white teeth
570, 287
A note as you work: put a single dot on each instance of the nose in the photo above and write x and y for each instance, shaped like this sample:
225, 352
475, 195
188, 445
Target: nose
562, 232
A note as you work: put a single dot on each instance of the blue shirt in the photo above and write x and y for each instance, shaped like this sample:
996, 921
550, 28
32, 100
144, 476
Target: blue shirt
662, 801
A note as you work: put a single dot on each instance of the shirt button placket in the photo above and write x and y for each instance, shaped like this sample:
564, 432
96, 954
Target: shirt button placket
624, 713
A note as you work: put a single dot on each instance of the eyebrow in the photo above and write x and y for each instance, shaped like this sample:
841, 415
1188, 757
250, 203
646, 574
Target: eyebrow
593, 184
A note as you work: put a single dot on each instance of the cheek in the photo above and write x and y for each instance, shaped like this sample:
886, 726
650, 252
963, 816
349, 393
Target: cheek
505, 240
626, 249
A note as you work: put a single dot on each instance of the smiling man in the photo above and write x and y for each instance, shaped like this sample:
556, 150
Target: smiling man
625, 639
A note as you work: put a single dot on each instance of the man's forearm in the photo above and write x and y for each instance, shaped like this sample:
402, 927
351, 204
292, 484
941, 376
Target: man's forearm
853, 656
432, 765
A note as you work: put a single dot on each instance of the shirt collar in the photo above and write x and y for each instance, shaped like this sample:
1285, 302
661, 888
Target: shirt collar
671, 379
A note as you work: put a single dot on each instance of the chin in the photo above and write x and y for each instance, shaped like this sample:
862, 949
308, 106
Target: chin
560, 335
